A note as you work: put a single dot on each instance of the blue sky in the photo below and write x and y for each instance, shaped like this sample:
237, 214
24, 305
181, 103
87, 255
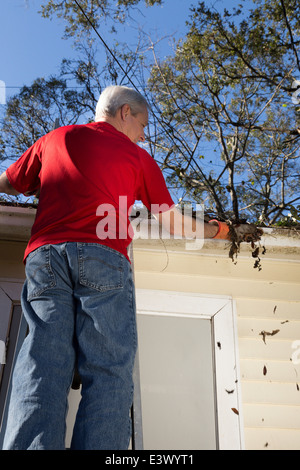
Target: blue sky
32, 46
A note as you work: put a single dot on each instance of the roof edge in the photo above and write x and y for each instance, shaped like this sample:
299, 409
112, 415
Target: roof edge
16, 223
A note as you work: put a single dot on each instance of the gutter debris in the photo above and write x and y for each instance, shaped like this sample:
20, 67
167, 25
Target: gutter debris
267, 333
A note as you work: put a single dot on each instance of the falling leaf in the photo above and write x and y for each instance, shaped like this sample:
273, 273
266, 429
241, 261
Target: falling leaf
275, 308
266, 333
255, 253
235, 411
229, 391
219, 345
265, 370
283, 322
257, 265
297, 387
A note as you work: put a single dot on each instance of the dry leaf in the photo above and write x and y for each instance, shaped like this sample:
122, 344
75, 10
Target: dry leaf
266, 333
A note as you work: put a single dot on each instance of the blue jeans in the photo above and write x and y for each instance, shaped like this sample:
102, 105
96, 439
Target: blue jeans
79, 302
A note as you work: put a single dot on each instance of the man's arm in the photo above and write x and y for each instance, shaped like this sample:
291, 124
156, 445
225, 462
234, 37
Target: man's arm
6, 187
179, 224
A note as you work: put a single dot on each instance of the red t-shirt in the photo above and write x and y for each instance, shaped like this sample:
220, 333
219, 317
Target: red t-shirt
82, 171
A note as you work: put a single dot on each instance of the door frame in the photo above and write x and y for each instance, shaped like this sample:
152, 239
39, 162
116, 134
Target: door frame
15, 330
221, 311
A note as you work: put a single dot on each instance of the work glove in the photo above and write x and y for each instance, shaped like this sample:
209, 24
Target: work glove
238, 233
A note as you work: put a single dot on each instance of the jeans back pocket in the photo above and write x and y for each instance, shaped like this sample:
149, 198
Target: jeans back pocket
100, 268
39, 273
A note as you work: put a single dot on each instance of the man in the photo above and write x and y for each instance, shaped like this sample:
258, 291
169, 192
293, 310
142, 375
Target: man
78, 298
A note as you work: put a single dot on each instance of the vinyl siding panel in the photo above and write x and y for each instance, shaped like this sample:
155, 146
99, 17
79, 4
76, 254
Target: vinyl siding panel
272, 439
269, 370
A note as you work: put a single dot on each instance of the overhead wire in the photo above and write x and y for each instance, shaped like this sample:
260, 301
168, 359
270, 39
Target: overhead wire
105, 44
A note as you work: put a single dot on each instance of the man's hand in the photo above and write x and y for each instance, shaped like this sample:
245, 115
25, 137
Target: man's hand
238, 233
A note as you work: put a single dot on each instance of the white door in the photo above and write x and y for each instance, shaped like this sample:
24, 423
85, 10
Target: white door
189, 374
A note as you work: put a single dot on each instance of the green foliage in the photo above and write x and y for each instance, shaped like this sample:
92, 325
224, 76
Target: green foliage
96, 10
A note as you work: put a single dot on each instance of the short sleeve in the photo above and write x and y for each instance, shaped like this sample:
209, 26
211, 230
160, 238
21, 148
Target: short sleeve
24, 174
153, 191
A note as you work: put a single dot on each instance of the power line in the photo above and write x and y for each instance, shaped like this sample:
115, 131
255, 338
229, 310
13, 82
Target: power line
26, 86
106, 45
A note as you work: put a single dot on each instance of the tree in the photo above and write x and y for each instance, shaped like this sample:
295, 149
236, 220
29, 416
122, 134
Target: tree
79, 14
226, 116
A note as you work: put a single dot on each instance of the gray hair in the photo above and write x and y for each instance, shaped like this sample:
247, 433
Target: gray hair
114, 97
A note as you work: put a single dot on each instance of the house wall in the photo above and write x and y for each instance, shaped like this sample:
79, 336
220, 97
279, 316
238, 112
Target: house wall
267, 301
15, 228
11, 255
